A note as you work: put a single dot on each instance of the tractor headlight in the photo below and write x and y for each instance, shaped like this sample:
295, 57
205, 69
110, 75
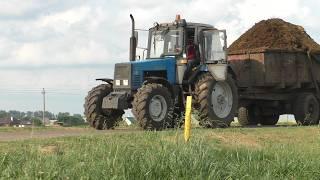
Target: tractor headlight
125, 82
118, 83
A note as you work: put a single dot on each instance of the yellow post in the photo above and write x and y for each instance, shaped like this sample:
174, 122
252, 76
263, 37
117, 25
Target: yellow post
187, 122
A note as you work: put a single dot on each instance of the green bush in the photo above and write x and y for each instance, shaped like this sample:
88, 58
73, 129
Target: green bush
36, 121
69, 120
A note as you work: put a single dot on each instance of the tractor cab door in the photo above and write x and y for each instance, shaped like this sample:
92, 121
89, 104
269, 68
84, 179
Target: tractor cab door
213, 45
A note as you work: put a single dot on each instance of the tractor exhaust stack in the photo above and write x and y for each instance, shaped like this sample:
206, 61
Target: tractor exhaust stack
133, 41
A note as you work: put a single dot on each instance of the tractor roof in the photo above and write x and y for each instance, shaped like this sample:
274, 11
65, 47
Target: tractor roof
189, 25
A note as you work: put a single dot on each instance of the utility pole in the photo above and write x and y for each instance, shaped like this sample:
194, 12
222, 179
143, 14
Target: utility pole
44, 105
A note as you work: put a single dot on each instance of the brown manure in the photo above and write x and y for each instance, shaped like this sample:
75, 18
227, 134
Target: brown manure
274, 34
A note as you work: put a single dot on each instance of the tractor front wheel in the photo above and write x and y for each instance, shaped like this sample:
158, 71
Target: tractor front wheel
96, 116
153, 107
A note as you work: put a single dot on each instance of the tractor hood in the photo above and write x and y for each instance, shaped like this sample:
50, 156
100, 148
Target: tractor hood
165, 68
136, 72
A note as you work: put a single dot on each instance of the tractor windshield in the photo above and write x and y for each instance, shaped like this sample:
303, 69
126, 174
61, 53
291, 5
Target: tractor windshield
166, 42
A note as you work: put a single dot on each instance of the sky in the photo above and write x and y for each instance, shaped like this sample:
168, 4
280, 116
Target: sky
63, 46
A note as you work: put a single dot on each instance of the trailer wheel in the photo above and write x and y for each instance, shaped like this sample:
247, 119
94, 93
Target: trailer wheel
270, 120
96, 116
153, 107
218, 101
247, 116
306, 110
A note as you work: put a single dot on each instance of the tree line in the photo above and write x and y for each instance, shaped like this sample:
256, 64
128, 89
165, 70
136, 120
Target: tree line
64, 118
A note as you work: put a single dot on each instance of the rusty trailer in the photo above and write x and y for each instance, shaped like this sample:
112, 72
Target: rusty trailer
272, 82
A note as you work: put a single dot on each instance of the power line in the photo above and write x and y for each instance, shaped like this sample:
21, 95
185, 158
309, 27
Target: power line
61, 91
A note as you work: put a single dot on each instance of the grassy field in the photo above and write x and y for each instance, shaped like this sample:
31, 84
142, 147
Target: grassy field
234, 153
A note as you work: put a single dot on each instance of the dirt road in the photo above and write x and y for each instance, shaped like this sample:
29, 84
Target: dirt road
22, 134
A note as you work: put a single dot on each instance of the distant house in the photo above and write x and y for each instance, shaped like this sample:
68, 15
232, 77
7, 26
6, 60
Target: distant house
53, 123
24, 123
9, 122
46, 121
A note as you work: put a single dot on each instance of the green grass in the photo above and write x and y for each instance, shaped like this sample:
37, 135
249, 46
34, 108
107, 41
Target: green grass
234, 153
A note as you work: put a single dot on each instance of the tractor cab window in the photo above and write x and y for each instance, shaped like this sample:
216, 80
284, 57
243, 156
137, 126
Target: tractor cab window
190, 45
214, 45
166, 42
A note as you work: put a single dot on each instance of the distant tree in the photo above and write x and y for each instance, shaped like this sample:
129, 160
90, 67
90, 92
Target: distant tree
49, 115
37, 114
29, 114
15, 114
77, 115
62, 114
36, 121
77, 120
27, 118
3, 114
36, 117
22, 115
67, 119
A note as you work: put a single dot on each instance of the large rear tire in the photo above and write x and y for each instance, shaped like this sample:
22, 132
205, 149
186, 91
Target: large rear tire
96, 116
217, 101
153, 107
306, 110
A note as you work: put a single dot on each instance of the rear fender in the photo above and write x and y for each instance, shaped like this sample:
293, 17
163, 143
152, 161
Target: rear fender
232, 73
218, 71
159, 80
109, 81
194, 76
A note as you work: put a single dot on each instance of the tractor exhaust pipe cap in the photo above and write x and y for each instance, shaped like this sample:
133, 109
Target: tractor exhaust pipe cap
178, 17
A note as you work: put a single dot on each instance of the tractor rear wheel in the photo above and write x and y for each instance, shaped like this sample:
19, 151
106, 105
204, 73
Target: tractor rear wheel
306, 109
153, 107
217, 101
96, 116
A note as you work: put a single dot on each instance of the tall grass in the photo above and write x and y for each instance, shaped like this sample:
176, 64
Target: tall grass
261, 153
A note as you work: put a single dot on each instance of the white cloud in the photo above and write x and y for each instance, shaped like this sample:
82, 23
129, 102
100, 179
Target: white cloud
64, 19
96, 32
69, 37
12, 8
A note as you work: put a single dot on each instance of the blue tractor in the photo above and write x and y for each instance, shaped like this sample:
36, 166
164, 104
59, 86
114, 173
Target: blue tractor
183, 59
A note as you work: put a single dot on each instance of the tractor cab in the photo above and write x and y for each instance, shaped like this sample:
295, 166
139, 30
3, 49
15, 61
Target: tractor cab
190, 45
190, 41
